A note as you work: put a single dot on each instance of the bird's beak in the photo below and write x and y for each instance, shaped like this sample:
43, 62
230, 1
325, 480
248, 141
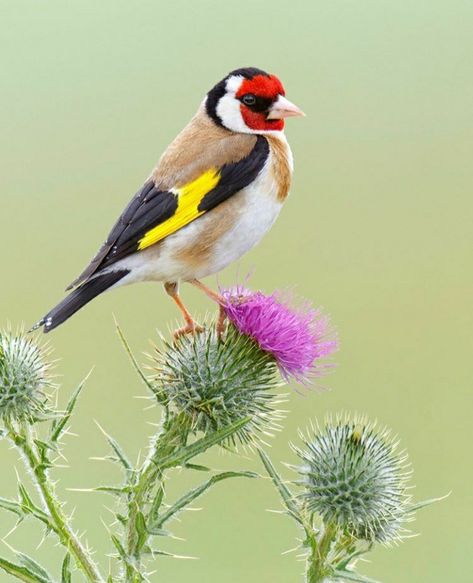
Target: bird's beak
282, 108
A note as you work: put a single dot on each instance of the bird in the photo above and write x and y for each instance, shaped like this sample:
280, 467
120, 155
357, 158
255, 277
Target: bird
214, 193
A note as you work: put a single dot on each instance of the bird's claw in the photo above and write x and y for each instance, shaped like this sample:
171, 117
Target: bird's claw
190, 328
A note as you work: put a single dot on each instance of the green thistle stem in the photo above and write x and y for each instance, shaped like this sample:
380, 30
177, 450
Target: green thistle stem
150, 484
23, 439
318, 569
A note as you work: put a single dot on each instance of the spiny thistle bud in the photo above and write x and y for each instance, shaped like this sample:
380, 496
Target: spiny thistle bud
296, 336
354, 478
218, 381
24, 377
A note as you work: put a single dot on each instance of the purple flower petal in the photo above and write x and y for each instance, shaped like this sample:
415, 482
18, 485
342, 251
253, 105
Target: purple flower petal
297, 337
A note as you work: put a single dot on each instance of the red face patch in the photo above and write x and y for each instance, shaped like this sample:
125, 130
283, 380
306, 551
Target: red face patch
265, 87
262, 86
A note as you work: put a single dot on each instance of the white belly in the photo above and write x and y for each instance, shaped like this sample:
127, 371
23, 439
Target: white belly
259, 209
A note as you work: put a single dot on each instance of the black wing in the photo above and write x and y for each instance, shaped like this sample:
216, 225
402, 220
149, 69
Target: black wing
151, 207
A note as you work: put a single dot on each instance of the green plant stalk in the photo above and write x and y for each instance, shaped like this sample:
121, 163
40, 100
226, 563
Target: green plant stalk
24, 442
318, 568
151, 477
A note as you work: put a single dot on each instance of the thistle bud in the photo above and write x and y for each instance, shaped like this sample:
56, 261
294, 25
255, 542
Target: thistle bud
24, 378
354, 478
218, 381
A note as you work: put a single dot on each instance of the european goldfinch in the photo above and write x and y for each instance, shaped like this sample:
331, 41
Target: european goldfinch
215, 192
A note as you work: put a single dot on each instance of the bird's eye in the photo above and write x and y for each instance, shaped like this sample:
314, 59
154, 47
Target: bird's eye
249, 99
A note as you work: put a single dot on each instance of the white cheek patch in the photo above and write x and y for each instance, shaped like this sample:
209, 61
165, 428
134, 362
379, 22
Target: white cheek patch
228, 110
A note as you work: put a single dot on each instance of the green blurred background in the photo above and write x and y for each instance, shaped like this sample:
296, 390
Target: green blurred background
378, 230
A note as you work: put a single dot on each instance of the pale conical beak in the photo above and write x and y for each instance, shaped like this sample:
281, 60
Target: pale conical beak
282, 108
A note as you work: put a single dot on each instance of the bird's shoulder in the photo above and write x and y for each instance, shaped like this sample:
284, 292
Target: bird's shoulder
201, 145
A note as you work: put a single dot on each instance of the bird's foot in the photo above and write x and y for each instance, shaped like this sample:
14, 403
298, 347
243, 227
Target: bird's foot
189, 328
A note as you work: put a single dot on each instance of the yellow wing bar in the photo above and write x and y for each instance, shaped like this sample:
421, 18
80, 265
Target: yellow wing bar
189, 197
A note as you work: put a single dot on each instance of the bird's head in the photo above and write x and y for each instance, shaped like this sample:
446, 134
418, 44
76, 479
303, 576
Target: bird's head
250, 101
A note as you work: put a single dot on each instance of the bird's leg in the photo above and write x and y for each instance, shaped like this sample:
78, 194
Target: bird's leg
191, 326
216, 297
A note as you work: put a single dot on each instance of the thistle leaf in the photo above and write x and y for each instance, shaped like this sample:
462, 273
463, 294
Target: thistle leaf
26, 502
155, 506
131, 356
158, 552
198, 468
120, 549
350, 576
424, 503
196, 492
66, 575
25, 506
33, 566
113, 490
183, 455
286, 495
59, 425
158, 531
121, 456
21, 572
141, 529
11, 506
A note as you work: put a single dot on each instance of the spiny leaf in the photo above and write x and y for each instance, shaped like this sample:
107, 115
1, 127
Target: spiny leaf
59, 425
172, 555
286, 495
198, 468
43, 445
156, 505
114, 490
25, 499
134, 362
33, 566
120, 549
21, 509
158, 531
349, 559
121, 456
21, 572
11, 506
66, 575
425, 503
121, 518
351, 576
198, 491
141, 529
183, 455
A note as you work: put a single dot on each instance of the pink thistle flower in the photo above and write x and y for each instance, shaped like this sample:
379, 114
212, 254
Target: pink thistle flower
296, 336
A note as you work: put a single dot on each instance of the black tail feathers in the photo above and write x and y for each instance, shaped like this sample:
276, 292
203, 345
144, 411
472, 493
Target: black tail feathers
78, 298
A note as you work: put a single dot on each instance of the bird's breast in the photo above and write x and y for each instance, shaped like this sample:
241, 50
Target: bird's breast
233, 228
281, 164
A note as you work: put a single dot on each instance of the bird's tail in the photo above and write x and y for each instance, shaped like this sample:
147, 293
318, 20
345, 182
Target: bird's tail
78, 298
